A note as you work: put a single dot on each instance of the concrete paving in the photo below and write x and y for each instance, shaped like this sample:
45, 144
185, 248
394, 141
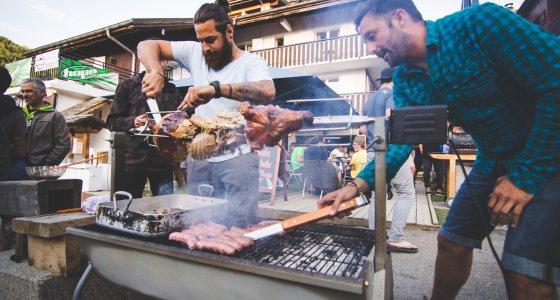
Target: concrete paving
413, 273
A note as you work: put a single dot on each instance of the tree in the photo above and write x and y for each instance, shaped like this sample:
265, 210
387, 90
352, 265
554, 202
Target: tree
10, 51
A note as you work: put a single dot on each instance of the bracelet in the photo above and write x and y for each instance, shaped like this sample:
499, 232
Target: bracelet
159, 74
230, 91
353, 184
217, 89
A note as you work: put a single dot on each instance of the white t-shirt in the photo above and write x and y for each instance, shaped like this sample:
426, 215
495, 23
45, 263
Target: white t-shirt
247, 68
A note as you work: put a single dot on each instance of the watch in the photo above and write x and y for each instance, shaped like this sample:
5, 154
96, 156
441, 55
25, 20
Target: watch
217, 89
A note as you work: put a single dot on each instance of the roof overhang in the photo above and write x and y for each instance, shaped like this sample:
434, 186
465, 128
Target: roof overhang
288, 10
118, 29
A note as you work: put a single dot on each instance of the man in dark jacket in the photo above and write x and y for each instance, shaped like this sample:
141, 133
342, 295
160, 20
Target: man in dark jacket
48, 138
12, 134
143, 162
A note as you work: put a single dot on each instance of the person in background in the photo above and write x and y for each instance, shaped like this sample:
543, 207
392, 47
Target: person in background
296, 157
417, 155
48, 138
320, 174
339, 152
427, 163
315, 151
223, 75
13, 131
498, 74
142, 162
380, 104
359, 158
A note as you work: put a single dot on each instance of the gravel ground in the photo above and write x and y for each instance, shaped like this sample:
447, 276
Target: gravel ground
413, 273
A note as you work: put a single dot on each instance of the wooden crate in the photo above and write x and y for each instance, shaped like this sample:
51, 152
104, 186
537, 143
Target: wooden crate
49, 248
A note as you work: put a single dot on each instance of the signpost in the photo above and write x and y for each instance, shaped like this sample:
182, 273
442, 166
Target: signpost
268, 170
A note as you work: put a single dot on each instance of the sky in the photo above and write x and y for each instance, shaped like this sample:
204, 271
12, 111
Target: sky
34, 23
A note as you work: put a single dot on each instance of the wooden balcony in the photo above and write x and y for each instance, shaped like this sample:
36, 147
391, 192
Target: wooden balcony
358, 100
316, 52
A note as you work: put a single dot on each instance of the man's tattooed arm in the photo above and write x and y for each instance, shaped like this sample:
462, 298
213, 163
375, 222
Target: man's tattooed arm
259, 92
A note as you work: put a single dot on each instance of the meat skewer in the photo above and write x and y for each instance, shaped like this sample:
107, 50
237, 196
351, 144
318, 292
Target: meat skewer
178, 134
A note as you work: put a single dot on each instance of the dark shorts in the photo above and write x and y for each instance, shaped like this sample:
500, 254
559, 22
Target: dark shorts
531, 249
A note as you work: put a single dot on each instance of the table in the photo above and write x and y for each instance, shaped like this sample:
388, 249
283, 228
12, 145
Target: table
452, 158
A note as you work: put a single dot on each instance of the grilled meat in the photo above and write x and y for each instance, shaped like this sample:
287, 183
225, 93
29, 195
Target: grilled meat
180, 128
201, 138
267, 125
205, 138
217, 238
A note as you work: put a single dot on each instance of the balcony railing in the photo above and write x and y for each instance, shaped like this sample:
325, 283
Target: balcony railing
323, 51
358, 100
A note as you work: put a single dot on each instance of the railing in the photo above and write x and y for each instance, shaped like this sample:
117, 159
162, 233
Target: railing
323, 51
358, 100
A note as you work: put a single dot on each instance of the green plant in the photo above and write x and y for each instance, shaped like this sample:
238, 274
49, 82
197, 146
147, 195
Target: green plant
441, 214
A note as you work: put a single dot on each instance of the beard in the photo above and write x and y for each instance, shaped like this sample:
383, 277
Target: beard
399, 47
219, 59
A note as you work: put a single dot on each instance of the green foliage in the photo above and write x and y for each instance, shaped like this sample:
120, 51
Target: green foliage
10, 51
441, 214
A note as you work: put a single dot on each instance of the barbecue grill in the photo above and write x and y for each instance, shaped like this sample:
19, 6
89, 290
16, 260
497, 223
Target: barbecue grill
311, 262
316, 261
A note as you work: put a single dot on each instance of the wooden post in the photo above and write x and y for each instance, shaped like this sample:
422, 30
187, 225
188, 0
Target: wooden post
85, 145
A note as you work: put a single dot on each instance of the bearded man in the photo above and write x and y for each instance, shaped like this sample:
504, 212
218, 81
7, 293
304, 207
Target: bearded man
222, 74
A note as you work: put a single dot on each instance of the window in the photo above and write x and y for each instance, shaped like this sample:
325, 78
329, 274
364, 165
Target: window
332, 82
328, 34
279, 41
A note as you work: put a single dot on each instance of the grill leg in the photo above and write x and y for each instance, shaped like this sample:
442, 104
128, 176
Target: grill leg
83, 279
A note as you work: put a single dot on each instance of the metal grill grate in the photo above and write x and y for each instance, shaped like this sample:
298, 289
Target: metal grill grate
324, 249
321, 249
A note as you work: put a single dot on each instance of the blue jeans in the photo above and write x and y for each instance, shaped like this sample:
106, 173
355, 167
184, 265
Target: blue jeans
14, 171
531, 249
236, 180
161, 182
406, 195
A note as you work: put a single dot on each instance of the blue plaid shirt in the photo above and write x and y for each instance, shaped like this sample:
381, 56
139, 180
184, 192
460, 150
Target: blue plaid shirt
500, 78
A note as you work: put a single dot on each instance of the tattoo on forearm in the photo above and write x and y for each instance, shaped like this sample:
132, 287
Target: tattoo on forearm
248, 92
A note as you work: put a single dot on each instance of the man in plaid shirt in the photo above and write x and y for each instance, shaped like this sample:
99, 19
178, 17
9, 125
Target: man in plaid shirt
499, 75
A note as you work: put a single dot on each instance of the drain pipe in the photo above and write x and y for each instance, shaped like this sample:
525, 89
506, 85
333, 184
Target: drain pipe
125, 48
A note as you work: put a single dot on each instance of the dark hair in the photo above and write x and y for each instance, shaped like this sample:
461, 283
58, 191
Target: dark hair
5, 79
386, 7
218, 11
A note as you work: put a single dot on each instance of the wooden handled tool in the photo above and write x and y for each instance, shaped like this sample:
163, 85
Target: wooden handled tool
306, 218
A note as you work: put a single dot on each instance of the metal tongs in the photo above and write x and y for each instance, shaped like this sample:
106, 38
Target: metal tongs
156, 116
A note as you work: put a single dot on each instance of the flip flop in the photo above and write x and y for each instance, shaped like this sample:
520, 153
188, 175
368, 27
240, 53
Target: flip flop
411, 249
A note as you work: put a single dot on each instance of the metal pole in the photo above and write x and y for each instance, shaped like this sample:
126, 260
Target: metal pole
380, 146
78, 289
118, 145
